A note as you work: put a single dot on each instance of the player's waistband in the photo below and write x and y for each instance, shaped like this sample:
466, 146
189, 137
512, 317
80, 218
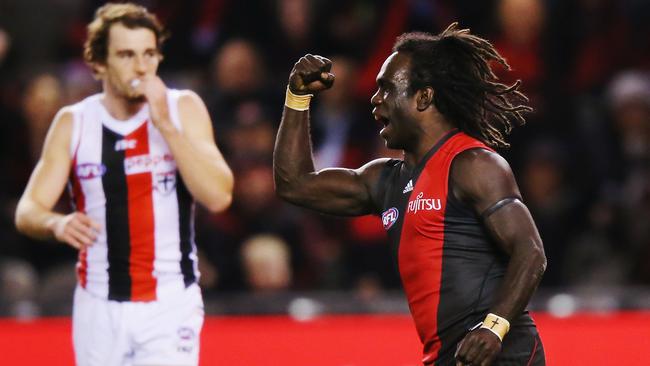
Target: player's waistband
167, 286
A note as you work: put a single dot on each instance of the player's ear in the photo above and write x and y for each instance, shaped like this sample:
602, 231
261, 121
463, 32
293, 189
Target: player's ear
424, 98
99, 70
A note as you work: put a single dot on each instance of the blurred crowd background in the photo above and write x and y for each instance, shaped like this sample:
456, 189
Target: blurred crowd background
582, 160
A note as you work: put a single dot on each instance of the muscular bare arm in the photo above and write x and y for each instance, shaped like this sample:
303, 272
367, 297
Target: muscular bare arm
335, 190
482, 178
34, 215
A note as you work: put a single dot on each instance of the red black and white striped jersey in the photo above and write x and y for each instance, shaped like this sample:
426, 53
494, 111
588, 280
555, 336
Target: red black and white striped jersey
124, 177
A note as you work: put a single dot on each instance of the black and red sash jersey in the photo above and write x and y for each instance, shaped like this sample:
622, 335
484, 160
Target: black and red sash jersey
449, 265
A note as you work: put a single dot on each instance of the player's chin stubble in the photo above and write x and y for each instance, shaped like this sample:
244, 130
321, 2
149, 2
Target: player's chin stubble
135, 98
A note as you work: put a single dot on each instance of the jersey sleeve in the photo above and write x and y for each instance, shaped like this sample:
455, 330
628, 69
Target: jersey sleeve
379, 190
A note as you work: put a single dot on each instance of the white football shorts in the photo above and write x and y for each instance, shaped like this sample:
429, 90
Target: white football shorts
162, 332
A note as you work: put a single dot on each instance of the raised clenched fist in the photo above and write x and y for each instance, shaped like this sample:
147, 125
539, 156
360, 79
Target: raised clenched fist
311, 74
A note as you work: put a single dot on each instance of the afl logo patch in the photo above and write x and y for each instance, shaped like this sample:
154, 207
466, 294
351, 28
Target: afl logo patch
389, 217
90, 170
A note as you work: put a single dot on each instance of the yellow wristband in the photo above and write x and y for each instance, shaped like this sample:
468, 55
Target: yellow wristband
297, 102
497, 325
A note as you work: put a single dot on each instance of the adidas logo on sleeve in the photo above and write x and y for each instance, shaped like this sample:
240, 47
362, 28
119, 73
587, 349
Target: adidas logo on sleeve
409, 186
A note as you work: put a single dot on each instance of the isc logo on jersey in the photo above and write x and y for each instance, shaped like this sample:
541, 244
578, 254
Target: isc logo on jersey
389, 217
125, 144
424, 204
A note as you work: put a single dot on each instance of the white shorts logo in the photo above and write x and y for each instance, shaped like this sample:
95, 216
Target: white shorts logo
186, 341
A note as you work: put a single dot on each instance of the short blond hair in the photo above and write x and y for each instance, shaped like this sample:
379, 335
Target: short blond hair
128, 14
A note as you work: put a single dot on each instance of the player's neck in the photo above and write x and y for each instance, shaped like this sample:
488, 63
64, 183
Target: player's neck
119, 107
430, 135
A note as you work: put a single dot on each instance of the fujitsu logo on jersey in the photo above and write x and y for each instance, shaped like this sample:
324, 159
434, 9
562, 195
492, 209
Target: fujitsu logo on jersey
125, 144
424, 204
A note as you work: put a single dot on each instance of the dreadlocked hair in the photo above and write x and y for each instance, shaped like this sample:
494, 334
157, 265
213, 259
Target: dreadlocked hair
456, 64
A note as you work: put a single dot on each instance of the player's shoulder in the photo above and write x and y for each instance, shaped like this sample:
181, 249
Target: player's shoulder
371, 172
479, 160
377, 164
192, 112
187, 98
67, 114
64, 118
60, 131
481, 173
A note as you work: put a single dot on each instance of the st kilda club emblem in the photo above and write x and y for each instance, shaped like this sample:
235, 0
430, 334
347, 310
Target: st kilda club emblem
165, 183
